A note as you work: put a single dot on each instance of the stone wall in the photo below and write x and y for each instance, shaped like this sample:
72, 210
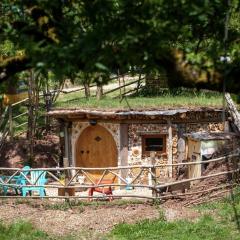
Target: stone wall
136, 131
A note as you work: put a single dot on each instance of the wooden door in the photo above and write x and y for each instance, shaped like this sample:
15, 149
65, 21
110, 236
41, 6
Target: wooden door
96, 148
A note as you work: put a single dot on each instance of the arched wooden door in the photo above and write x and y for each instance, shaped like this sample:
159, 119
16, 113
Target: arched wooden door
95, 148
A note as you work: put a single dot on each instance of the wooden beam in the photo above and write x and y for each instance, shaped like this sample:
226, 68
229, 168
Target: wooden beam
124, 148
70, 144
67, 144
169, 148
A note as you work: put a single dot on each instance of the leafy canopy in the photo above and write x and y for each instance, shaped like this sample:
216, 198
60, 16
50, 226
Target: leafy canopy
67, 36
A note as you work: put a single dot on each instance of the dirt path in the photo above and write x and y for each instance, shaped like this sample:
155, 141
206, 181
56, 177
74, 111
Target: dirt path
60, 222
98, 218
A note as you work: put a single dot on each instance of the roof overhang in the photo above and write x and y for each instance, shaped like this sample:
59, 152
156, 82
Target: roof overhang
181, 114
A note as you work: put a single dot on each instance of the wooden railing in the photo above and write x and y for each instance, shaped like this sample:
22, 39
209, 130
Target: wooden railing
145, 177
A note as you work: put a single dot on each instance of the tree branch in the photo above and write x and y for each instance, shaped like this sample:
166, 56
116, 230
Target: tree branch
13, 65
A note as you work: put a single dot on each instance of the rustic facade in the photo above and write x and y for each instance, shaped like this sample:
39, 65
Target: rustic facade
135, 133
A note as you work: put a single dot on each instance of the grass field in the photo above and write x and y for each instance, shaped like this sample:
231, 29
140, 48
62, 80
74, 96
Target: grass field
218, 222
167, 100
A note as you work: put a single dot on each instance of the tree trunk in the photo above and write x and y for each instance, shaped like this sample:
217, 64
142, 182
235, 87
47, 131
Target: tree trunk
87, 90
139, 82
119, 83
31, 117
123, 80
99, 92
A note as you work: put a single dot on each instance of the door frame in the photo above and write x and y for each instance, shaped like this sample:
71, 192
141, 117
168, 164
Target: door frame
76, 137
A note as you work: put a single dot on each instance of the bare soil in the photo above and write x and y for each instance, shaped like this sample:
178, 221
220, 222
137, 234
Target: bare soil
98, 218
62, 222
46, 151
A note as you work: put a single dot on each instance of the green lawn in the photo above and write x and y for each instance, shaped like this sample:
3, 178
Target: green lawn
25, 231
21, 231
167, 100
206, 228
218, 222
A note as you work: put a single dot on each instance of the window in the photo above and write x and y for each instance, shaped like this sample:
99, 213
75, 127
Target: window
155, 143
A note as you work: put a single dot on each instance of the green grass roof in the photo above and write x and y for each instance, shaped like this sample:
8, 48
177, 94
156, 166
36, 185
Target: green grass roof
77, 100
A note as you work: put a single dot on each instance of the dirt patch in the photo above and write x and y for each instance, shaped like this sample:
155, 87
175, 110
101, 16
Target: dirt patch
96, 218
173, 212
46, 152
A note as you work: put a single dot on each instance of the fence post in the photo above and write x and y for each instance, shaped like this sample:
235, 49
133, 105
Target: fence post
66, 190
153, 173
11, 122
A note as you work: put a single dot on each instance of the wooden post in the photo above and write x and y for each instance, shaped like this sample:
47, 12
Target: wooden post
11, 122
70, 159
62, 142
153, 172
70, 144
123, 149
65, 162
170, 146
66, 193
66, 141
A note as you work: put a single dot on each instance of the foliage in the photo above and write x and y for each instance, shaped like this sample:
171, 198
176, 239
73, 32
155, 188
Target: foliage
6, 49
102, 36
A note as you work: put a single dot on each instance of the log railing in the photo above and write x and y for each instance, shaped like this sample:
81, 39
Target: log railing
146, 177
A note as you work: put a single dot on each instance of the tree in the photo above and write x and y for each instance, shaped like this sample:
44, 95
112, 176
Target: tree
101, 36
